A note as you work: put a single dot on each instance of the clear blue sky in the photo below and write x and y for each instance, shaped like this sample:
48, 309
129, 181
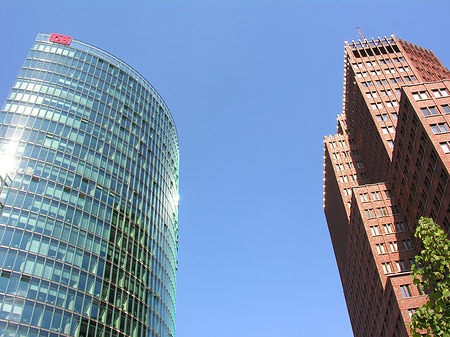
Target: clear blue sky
253, 87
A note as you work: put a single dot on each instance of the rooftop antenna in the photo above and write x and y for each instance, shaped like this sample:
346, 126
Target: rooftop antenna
360, 33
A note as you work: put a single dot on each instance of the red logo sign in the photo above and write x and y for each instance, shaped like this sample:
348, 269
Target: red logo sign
58, 38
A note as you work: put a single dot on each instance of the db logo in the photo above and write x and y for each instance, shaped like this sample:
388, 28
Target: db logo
58, 38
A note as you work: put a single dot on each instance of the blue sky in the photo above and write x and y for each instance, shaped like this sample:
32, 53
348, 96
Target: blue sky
253, 87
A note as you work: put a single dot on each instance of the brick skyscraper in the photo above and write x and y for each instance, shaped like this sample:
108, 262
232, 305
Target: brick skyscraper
387, 165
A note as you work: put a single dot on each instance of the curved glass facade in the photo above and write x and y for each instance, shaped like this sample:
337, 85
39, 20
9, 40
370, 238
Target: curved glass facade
89, 198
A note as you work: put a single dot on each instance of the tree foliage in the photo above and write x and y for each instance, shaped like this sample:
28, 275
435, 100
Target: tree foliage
431, 272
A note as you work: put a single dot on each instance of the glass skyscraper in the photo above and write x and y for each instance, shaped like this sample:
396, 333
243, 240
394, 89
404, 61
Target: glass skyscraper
89, 198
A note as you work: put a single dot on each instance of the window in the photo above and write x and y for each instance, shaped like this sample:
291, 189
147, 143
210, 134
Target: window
387, 268
407, 244
388, 228
430, 111
375, 230
383, 117
389, 194
393, 246
359, 164
387, 92
440, 93
400, 265
380, 248
396, 80
344, 179
446, 109
387, 130
439, 128
376, 195
406, 291
376, 106
445, 147
411, 311
364, 197
400, 227
370, 213
381, 82
419, 289
382, 211
391, 144
395, 209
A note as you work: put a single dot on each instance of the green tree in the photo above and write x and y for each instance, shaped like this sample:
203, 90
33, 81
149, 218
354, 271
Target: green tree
431, 272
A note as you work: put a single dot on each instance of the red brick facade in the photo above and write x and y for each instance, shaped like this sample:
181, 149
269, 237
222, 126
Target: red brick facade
387, 166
